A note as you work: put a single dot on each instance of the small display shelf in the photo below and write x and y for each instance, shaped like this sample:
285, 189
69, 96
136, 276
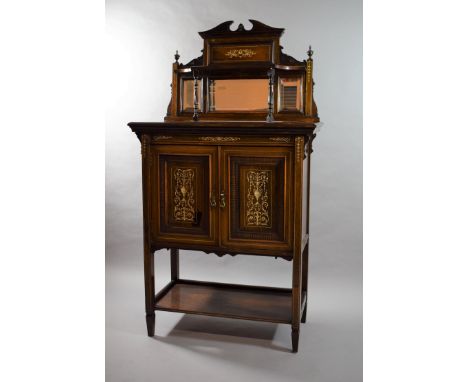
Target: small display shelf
257, 303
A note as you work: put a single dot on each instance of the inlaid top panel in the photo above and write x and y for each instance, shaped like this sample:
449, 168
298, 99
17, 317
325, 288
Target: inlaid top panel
240, 53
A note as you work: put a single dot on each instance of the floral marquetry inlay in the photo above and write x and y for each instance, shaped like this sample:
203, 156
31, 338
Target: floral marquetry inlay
184, 197
258, 198
240, 53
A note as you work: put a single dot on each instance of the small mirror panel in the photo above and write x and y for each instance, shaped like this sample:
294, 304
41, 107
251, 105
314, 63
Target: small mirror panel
187, 95
290, 94
238, 95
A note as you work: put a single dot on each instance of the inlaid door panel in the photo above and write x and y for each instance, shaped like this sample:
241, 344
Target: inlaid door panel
181, 201
257, 184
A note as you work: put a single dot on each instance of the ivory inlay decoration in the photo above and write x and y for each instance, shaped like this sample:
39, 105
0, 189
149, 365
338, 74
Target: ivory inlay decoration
258, 207
280, 139
299, 148
219, 139
240, 53
161, 137
184, 198
309, 71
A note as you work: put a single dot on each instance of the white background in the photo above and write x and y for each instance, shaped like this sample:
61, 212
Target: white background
52, 204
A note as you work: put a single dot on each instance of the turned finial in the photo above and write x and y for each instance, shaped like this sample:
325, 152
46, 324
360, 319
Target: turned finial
176, 56
310, 52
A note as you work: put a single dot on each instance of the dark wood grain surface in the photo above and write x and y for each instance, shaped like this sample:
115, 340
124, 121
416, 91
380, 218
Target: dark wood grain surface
259, 304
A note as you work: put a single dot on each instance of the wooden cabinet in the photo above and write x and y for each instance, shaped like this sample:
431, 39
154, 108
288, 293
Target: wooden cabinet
228, 172
246, 189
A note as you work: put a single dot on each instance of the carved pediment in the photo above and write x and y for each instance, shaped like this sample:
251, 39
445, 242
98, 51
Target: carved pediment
224, 30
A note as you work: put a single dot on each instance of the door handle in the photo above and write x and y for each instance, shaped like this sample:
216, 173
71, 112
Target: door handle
212, 200
222, 199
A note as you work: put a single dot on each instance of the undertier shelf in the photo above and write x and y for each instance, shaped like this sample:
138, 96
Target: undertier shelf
226, 300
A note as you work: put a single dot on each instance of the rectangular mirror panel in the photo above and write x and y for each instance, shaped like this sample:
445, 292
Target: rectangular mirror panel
238, 95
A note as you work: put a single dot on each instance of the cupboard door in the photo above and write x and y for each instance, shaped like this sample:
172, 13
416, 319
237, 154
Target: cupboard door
185, 182
258, 188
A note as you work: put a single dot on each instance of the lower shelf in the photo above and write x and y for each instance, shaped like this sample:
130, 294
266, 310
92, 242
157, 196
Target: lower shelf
226, 300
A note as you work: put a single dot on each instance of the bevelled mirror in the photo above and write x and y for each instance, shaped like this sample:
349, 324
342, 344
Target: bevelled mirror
187, 95
236, 95
290, 94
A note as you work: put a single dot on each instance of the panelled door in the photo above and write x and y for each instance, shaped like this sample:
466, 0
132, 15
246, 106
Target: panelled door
183, 201
256, 194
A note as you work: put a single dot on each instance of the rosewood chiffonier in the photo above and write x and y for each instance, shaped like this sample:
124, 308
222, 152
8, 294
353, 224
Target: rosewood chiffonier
228, 172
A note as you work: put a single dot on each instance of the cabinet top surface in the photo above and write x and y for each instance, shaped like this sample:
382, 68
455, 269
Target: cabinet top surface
245, 127
227, 124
